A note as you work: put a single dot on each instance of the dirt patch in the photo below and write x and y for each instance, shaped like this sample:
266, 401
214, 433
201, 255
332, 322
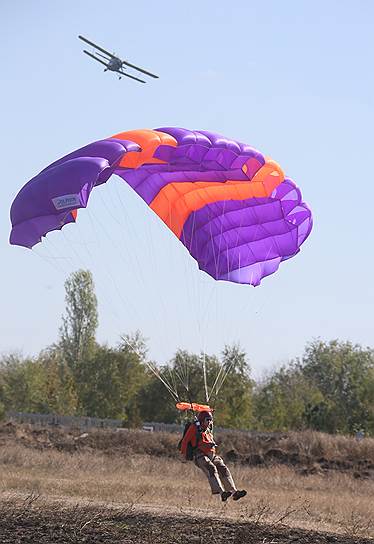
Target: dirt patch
28, 522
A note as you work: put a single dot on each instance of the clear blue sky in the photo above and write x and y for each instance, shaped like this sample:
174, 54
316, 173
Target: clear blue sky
294, 79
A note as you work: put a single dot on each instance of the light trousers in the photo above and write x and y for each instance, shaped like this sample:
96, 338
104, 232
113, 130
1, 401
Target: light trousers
219, 476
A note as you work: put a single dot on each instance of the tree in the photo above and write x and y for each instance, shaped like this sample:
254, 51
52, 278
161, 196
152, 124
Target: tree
185, 373
155, 402
234, 400
77, 334
59, 389
111, 380
344, 374
42, 385
133, 373
22, 384
186, 376
330, 389
282, 401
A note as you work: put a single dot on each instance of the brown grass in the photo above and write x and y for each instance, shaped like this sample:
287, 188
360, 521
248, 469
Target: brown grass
334, 502
310, 444
297, 447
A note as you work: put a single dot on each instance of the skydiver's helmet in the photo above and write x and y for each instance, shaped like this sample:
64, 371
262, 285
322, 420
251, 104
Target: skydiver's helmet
205, 417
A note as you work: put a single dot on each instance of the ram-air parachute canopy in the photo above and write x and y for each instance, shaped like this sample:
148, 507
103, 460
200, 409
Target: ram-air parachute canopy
229, 205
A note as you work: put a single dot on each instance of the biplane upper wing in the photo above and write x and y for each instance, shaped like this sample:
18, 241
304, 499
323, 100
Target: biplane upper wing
93, 56
96, 46
102, 56
128, 75
140, 69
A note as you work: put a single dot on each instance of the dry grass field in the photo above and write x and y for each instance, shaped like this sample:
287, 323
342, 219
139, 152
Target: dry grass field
129, 496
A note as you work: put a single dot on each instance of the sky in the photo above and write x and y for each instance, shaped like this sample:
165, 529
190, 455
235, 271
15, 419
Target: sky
292, 79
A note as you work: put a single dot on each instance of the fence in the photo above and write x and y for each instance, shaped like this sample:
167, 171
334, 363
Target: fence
86, 422
97, 423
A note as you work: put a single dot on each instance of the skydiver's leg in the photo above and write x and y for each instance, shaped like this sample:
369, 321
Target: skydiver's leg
211, 472
224, 474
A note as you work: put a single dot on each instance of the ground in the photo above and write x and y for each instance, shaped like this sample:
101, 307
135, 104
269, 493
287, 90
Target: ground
27, 522
67, 486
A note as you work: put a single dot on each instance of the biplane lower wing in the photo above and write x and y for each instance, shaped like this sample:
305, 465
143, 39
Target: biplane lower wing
139, 69
128, 75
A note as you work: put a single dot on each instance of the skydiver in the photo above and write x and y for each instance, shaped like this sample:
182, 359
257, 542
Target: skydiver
200, 437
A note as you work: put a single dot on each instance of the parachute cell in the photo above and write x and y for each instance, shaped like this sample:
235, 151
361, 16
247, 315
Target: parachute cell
231, 207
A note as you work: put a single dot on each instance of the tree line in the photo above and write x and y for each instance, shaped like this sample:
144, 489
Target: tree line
330, 388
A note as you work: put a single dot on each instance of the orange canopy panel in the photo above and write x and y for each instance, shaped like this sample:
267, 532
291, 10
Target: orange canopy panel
193, 406
149, 141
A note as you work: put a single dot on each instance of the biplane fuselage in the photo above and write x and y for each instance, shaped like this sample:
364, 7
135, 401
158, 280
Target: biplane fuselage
114, 64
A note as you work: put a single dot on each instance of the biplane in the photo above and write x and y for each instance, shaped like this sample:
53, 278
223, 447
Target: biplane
114, 63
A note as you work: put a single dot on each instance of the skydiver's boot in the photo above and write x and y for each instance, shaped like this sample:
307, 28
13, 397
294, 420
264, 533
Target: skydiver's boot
239, 494
225, 495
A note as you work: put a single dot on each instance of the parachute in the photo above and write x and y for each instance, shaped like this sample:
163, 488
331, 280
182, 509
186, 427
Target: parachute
229, 205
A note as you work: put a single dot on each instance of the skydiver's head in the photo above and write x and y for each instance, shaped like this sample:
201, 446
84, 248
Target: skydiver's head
205, 418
